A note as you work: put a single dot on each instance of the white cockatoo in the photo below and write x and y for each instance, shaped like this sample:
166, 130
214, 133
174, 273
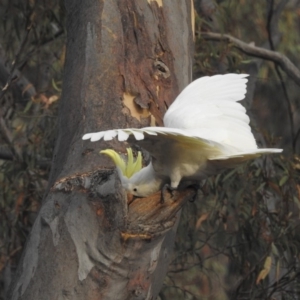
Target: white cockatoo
206, 130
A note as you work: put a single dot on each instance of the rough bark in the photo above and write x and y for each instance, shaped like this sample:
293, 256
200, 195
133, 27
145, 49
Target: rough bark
126, 61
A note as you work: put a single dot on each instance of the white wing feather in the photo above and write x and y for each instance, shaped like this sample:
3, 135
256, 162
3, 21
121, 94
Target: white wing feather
178, 135
211, 106
219, 87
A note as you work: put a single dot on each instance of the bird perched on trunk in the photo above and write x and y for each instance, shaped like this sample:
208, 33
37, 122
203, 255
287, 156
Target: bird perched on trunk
206, 130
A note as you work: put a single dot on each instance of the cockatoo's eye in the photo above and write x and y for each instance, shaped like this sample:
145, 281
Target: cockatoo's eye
135, 189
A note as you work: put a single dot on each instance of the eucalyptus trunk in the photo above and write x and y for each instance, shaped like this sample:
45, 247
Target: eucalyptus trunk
126, 60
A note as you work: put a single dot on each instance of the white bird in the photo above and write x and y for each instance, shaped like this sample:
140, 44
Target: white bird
206, 130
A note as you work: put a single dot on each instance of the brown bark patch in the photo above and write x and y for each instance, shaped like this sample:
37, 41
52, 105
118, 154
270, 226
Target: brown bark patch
154, 216
136, 111
148, 68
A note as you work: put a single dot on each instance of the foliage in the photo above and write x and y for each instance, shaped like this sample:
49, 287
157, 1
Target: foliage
32, 44
245, 219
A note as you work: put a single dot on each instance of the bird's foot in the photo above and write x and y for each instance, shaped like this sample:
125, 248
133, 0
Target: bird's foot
167, 188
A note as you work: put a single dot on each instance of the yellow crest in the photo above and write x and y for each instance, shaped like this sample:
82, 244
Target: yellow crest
131, 167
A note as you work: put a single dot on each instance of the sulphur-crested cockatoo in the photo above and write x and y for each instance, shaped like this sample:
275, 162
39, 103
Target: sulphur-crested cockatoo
206, 130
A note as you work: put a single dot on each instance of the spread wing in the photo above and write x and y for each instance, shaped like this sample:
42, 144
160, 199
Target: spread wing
209, 108
204, 120
158, 140
161, 142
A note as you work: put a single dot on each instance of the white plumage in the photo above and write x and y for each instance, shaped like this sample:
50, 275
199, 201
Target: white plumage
206, 130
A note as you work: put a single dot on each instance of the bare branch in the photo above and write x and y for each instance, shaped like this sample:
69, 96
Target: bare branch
24, 87
12, 76
272, 29
41, 163
7, 136
5, 153
284, 62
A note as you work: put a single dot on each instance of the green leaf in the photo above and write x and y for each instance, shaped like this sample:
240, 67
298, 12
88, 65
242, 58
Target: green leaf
261, 186
230, 174
28, 106
283, 180
274, 250
257, 172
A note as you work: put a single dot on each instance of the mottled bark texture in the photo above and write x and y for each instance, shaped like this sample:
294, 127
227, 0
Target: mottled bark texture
126, 61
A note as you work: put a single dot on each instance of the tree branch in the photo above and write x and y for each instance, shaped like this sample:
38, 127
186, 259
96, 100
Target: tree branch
276, 57
12, 76
6, 154
272, 26
24, 87
8, 138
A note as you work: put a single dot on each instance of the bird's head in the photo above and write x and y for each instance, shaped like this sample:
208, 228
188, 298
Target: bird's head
135, 179
126, 169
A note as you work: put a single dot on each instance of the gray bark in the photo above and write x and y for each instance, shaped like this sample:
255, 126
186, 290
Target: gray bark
126, 61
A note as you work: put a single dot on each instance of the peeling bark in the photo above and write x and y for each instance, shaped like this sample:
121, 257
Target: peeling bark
126, 61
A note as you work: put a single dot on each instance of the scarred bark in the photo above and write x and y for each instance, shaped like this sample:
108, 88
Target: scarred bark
126, 61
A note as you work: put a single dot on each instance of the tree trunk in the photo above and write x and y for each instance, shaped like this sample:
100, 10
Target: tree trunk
126, 61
